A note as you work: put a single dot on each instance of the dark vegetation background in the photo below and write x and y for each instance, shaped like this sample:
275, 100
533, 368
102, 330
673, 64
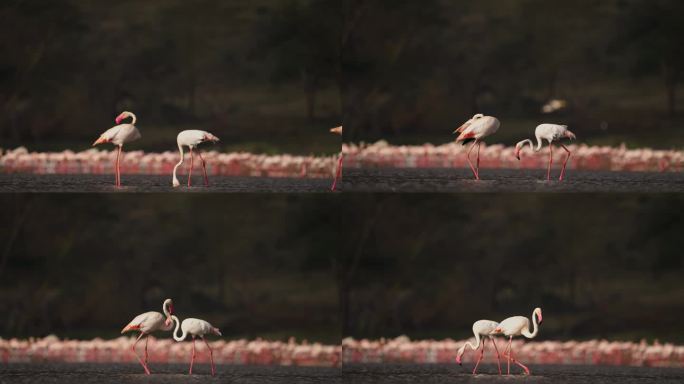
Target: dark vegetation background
598, 265
84, 265
413, 71
257, 73
363, 265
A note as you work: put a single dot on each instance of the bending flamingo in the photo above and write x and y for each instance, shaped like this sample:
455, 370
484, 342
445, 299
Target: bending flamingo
550, 133
475, 130
191, 139
481, 328
119, 135
518, 326
196, 328
338, 172
147, 323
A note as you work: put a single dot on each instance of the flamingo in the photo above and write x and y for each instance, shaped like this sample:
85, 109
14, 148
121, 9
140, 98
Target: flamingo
550, 133
196, 327
192, 138
476, 129
518, 326
338, 173
119, 135
147, 323
481, 328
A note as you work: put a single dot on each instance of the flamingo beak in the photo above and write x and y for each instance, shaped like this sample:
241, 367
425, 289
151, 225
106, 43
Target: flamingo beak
119, 118
540, 318
517, 154
570, 135
458, 360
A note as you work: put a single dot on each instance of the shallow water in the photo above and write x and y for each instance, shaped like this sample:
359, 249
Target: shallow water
162, 373
507, 180
443, 373
156, 183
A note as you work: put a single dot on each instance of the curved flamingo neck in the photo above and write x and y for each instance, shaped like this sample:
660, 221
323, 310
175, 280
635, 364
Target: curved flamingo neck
533, 334
133, 117
521, 144
469, 344
175, 331
165, 309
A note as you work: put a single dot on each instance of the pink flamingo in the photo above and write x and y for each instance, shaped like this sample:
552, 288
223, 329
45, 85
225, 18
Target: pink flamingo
481, 328
518, 326
147, 323
191, 139
196, 328
119, 135
338, 172
550, 133
476, 129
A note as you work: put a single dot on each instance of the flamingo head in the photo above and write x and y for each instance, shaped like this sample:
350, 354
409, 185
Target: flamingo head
458, 359
337, 130
122, 116
570, 135
210, 137
496, 331
168, 310
538, 313
518, 148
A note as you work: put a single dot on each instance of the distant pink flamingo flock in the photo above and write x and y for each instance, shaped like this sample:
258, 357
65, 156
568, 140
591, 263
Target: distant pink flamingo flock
168, 351
592, 352
94, 161
453, 155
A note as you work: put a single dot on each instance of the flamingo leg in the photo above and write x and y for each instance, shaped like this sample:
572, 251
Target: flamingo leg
147, 371
478, 159
211, 356
511, 358
548, 173
472, 168
507, 356
192, 359
117, 169
498, 360
338, 173
204, 168
564, 162
146, 340
192, 162
480, 357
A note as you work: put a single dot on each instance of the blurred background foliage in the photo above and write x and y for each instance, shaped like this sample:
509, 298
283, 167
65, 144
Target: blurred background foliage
257, 73
85, 265
412, 71
599, 265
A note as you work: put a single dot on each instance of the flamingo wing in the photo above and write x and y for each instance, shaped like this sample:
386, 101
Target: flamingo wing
145, 322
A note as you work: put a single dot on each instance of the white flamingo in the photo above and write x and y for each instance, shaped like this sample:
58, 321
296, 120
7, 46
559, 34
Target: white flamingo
119, 135
518, 326
550, 133
481, 329
196, 328
147, 323
338, 172
191, 139
476, 129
